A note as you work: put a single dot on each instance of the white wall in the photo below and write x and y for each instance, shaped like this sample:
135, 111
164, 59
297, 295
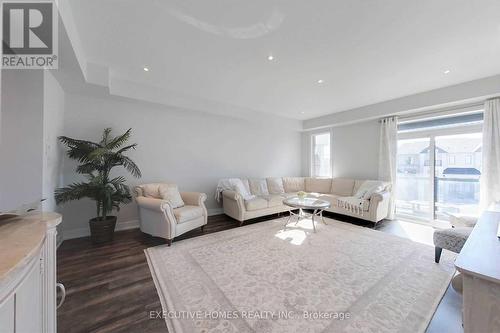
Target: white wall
32, 118
354, 150
189, 148
21, 139
53, 124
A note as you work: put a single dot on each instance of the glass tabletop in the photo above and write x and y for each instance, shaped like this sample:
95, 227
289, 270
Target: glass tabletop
308, 203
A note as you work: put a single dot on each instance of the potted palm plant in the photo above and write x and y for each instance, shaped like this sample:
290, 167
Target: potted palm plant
96, 160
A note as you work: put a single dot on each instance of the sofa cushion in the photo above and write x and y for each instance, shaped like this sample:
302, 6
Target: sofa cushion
151, 190
342, 186
275, 185
258, 186
187, 213
318, 185
294, 184
170, 193
256, 203
246, 184
331, 198
274, 200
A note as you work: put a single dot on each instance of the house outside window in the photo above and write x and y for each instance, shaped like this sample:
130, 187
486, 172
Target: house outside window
468, 159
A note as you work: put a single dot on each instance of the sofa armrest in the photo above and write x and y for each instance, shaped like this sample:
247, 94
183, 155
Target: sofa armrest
233, 205
194, 198
380, 196
232, 195
157, 217
379, 205
154, 204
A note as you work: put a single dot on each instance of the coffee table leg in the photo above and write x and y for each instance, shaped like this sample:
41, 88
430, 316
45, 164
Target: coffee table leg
289, 217
299, 215
322, 219
314, 214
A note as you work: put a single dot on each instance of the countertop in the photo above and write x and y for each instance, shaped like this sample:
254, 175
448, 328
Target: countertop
21, 238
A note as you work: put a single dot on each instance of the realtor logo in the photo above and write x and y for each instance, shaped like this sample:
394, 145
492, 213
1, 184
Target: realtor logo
29, 35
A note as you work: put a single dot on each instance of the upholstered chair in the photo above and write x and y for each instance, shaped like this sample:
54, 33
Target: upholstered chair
454, 238
168, 219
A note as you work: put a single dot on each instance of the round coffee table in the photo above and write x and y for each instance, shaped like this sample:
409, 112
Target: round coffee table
316, 205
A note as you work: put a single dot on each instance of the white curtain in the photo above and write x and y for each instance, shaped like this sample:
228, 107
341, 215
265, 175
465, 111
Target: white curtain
387, 157
490, 174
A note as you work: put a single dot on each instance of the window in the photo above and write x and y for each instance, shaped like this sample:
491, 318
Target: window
444, 179
447, 181
321, 163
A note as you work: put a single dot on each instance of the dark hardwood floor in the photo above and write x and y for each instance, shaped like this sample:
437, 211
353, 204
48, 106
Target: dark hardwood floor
110, 289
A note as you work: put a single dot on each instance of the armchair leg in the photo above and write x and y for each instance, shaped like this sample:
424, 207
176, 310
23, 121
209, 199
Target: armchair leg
437, 254
202, 228
169, 242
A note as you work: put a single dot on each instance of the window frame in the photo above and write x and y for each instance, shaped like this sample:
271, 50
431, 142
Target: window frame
311, 152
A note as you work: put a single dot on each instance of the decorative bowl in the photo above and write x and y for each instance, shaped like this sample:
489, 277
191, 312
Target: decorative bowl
301, 195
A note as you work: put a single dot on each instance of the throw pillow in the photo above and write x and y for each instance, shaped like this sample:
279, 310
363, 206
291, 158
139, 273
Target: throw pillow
258, 187
275, 185
170, 192
368, 188
239, 187
150, 190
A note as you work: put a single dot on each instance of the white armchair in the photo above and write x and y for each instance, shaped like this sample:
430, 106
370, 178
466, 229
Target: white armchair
158, 217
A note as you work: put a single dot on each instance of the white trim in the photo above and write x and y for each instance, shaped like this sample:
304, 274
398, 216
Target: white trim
123, 225
84, 232
215, 211
442, 113
459, 129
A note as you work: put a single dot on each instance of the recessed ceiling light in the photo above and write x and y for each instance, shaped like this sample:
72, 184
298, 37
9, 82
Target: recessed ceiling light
447, 71
270, 57
320, 81
302, 112
146, 69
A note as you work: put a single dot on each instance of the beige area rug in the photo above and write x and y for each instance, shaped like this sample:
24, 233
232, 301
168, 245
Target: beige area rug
262, 278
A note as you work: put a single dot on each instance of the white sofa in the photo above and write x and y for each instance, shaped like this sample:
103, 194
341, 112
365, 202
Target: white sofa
159, 218
268, 199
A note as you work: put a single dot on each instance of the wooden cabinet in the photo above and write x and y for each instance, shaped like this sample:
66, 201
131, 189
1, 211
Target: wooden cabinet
28, 275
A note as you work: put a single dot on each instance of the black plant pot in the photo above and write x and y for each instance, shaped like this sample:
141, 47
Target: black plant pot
102, 231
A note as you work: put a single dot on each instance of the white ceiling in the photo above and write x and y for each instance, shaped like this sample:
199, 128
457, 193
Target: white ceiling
214, 53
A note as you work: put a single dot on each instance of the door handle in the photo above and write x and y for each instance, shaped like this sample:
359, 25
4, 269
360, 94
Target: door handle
60, 286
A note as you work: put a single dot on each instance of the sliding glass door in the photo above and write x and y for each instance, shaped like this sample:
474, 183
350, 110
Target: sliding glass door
458, 168
414, 188
438, 175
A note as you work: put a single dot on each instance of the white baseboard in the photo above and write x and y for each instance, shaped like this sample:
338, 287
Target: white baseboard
85, 232
215, 211
124, 225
